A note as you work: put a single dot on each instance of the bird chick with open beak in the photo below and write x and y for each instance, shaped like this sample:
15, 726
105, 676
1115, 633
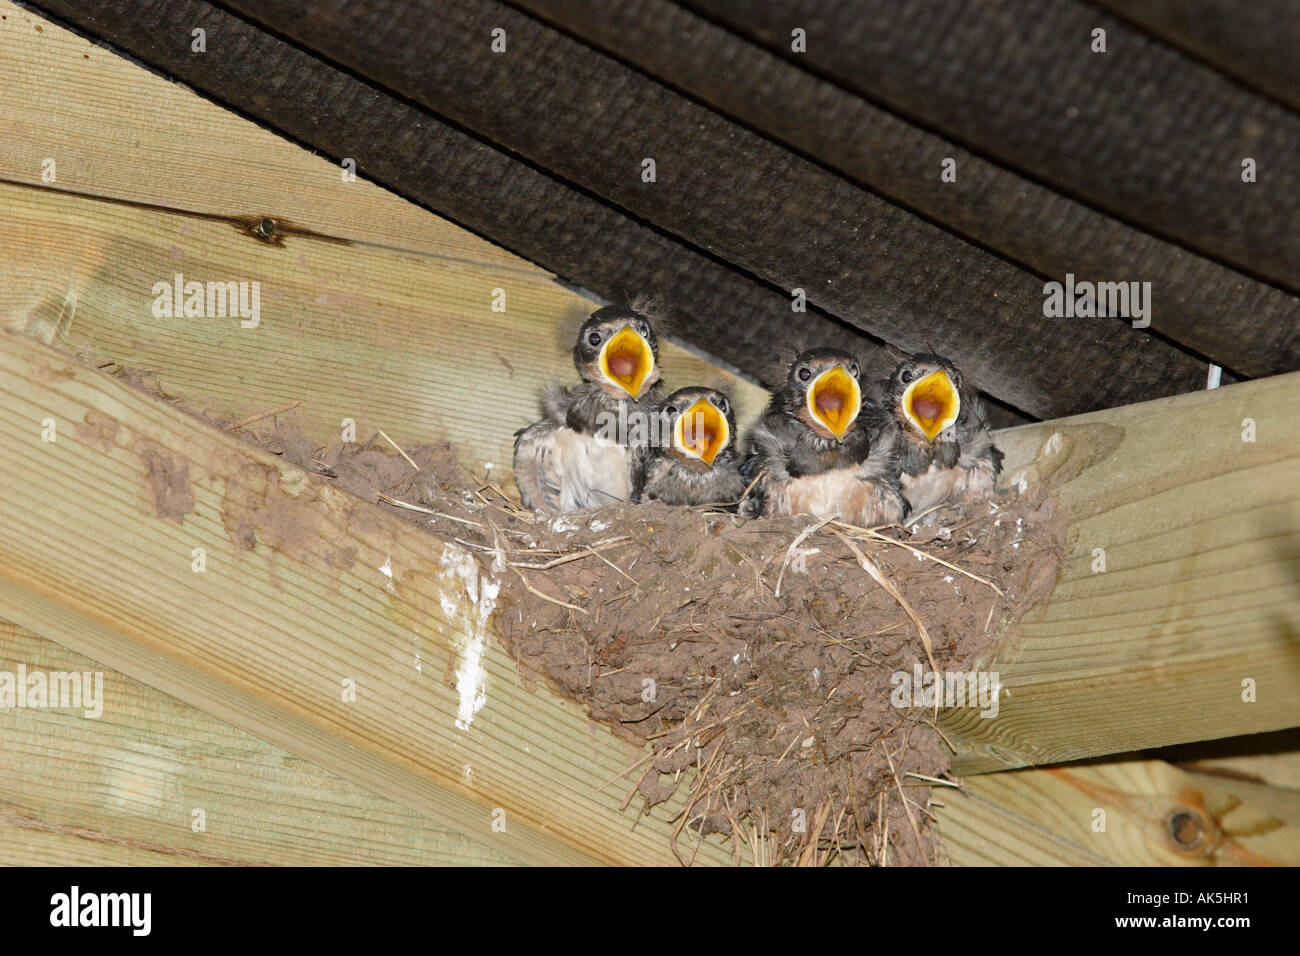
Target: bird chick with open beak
586, 452
694, 462
947, 450
824, 448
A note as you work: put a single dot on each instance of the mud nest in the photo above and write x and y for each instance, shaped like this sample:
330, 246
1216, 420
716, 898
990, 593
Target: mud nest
760, 660
763, 661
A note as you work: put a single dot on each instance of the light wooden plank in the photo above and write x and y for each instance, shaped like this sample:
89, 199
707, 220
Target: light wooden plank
1201, 533
1113, 814
118, 131
974, 831
405, 343
122, 787
264, 638
25, 842
1280, 802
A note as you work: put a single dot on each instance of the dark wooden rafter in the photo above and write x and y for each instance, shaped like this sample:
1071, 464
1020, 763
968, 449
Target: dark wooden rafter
573, 111
1255, 42
1142, 131
1248, 326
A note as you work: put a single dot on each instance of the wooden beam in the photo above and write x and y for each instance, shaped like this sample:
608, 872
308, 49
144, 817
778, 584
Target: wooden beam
1017, 82
1253, 42
296, 600
1198, 602
1245, 325
415, 154
94, 115
122, 788
1130, 813
408, 343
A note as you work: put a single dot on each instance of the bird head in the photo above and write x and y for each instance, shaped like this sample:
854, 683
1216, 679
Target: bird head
823, 392
617, 349
925, 393
699, 424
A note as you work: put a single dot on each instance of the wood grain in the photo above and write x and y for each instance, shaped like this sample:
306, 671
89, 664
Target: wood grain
121, 788
117, 131
1201, 588
1051, 817
293, 602
400, 341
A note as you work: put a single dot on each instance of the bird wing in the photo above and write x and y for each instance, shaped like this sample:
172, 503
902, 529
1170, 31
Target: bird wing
537, 472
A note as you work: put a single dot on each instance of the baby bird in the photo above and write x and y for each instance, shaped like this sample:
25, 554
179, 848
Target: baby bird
947, 451
584, 452
694, 461
822, 448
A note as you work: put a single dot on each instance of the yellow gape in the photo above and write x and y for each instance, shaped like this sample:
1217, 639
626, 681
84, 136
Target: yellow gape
702, 432
834, 400
627, 361
932, 403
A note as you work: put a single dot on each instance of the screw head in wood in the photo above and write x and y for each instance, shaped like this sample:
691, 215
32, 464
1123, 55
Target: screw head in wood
1187, 829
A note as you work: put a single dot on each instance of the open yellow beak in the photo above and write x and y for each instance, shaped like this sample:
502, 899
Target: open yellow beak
702, 432
932, 403
627, 361
834, 400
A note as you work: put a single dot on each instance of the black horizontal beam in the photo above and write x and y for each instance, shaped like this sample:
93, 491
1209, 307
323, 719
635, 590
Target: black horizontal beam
1245, 325
744, 199
1140, 131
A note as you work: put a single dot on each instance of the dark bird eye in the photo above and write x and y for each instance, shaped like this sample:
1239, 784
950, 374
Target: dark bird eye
671, 410
804, 374
594, 338
643, 328
906, 375
853, 370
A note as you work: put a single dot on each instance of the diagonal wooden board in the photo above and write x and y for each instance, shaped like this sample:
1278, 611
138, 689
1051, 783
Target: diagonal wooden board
1198, 594
116, 130
1198, 606
304, 589
123, 784
1101, 681
1116, 814
398, 341
122, 789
